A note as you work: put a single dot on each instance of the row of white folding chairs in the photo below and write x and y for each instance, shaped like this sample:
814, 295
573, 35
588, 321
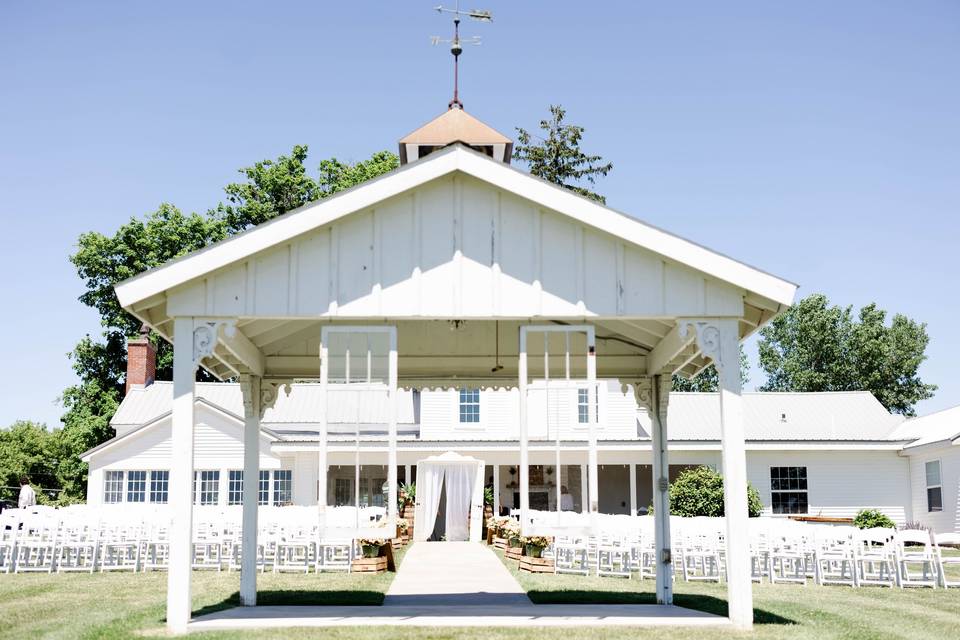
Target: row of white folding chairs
87, 539
789, 552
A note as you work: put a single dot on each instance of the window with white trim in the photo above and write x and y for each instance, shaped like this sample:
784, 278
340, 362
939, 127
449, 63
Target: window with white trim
282, 487
934, 486
159, 487
136, 486
263, 488
112, 486
343, 492
583, 406
207, 487
788, 489
235, 487
469, 406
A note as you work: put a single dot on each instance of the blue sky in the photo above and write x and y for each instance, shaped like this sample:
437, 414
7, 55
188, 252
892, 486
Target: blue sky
819, 141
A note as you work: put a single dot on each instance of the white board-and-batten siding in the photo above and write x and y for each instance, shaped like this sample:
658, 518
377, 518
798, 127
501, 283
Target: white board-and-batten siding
456, 247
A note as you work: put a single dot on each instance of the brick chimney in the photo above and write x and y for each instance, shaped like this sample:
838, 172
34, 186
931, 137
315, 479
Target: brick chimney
141, 360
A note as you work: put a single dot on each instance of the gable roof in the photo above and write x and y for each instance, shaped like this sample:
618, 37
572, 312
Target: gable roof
455, 158
939, 427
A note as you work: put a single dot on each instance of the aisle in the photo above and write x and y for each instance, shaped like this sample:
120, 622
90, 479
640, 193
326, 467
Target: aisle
453, 573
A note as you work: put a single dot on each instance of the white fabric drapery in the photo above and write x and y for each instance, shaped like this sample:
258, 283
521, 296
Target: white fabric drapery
459, 480
462, 478
429, 486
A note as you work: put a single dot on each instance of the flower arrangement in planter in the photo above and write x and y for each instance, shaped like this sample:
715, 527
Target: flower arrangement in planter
371, 546
511, 531
403, 526
533, 546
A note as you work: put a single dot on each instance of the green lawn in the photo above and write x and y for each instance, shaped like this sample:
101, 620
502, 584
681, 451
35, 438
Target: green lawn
123, 605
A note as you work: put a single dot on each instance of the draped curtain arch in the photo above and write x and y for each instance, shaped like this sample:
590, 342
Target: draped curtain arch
463, 477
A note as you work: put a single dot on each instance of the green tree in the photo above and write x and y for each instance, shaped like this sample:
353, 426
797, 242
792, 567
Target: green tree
556, 156
26, 449
271, 188
708, 380
818, 347
699, 492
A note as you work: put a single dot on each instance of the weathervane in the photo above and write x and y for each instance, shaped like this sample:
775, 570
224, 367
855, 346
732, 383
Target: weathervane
456, 44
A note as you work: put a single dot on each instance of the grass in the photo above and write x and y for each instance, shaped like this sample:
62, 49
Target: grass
125, 606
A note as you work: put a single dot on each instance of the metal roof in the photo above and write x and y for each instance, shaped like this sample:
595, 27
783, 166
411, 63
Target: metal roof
832, 416
941, 426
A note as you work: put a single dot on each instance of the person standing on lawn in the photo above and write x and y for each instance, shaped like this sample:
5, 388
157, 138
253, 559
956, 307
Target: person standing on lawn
28, 497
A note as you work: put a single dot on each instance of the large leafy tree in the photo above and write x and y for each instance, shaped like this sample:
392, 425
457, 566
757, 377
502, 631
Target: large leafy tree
815, 346
270, 188
556, 155
26, 449
708, 380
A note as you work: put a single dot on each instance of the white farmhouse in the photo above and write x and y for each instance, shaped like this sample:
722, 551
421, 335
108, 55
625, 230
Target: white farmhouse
809, 454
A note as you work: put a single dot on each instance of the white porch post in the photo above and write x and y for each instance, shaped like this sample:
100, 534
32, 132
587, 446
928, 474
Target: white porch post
251, 389
322, 438
650, 394
584, 490
185, 359
719, 340
524, 453
392, 434
633, 488
496, 490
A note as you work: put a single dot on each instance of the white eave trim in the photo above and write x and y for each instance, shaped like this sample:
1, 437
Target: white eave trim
455, 158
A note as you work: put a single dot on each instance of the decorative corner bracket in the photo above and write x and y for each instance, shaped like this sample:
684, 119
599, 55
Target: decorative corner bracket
206, 335
710, 340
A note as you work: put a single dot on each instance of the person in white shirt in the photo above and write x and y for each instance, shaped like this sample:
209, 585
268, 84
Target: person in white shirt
28, 497
566, 500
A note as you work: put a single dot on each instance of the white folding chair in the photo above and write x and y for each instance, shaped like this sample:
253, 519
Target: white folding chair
77, 547
940, 540
874, 556
916, 561
570, 556
37, 542
9, 530
834, 555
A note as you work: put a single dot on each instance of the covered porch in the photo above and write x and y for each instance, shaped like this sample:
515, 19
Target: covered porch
456, 271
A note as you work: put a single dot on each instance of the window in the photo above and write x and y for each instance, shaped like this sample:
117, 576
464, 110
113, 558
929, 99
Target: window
469, 406
113, 486
159, 486
136, 486
788, 489
209, 489
343, 494
934, 486
235, 488
583, 406
282, 487
263, 493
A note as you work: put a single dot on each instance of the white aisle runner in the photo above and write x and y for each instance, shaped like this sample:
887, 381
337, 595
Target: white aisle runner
453, 573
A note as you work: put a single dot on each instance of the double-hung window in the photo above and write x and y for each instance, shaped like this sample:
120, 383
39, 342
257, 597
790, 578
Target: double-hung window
235, 488
282, 487
583, 406
788, 489
469, 406
934, 486
136, 486
208, 491
159, 486
263, 488
112, 486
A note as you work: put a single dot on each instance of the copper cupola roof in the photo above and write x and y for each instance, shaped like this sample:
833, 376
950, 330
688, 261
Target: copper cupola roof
455, 125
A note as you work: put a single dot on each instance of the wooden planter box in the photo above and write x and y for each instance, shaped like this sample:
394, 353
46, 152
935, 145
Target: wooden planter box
369, 565
513, 553
536, 565
500, 543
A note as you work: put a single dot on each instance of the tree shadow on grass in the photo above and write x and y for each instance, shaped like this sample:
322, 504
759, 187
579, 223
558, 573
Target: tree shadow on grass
299, 597
707, 604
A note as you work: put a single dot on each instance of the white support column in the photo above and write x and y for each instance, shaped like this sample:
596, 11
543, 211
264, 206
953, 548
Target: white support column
584, 490
633, 489
407, 472
496, 490
392, 434
322, 473
185, 359
524, 452
593, 402
250, 387
648, 392
720, 341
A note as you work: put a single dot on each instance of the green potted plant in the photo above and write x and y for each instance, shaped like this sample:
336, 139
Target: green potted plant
370, 547
511, 531
533, 546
